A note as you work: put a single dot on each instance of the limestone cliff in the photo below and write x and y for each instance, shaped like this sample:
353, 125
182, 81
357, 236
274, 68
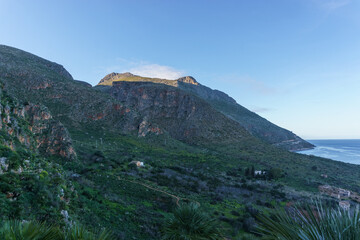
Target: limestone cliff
219, 101
167, 109
33, 126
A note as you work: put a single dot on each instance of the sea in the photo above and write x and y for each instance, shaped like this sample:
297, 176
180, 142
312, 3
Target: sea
347, 150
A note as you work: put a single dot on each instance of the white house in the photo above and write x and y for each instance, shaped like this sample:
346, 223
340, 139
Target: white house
259, 172
138, 163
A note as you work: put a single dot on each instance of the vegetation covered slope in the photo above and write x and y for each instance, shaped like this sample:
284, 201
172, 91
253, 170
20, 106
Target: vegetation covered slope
32, 186
103, 187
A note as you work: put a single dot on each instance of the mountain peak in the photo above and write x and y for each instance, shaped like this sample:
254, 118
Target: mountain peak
115, 76
188, 79
129, 77
125, 74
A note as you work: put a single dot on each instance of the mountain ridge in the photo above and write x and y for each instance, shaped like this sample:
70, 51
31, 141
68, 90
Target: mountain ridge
253, 123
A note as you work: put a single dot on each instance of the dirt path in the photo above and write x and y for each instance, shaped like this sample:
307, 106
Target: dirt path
161, 191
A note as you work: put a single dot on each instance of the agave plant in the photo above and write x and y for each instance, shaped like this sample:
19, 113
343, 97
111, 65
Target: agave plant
32, 230
314, 222
188, 222
79, 232
16, 230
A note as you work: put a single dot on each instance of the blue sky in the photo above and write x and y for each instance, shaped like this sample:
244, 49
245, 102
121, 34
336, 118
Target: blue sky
294, 62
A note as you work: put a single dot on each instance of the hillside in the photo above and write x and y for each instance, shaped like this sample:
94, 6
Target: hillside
184, 117
82, 142
77, 105
31, 185
253, 123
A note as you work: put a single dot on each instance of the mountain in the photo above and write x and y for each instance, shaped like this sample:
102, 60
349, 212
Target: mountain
253, 123
144, 108
50, 84
169, 110
123, 154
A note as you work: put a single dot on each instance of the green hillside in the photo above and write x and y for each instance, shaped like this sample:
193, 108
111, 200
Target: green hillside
91, 139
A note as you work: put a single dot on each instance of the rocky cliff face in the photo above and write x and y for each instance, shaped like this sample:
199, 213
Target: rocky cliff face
51, 135
33, 126
168, 109
253, 123
188, 80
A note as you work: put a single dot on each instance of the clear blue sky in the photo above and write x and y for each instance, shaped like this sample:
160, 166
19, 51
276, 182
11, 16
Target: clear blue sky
294, 62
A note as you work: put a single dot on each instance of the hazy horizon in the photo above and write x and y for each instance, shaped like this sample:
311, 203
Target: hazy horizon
294, 63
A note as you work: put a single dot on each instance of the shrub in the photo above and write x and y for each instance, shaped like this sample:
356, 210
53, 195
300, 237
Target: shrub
33, 230
188, 222
311, 223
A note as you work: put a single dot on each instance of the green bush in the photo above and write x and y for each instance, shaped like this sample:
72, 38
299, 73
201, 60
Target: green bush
188, 222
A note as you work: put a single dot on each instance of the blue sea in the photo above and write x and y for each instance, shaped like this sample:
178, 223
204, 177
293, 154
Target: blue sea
342, 150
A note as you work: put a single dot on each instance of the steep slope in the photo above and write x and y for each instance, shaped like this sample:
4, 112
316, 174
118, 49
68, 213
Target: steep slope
185, 117
32, 126
255, 124
181, 116
252, 122
31, 186
74, 103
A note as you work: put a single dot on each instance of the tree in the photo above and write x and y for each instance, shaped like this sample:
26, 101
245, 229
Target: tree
188, 222
252, 173
247, 172
275, 173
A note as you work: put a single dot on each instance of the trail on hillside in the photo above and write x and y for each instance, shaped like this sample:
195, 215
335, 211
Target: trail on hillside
161, 191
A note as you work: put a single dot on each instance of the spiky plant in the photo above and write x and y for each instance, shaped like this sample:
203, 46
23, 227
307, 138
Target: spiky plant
312, 222
32, 230
188, 222
79, 232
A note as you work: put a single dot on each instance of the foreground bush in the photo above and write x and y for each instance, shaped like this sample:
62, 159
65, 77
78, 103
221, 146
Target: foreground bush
32, 230
188, 222
311, 223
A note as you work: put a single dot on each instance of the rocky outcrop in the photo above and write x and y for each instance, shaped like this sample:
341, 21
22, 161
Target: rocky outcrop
168, 109
108, 79
189, 80
51, 135
34, 127
146, 128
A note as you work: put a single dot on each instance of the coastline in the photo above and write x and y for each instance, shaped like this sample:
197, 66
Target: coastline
344, 150
303, 149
